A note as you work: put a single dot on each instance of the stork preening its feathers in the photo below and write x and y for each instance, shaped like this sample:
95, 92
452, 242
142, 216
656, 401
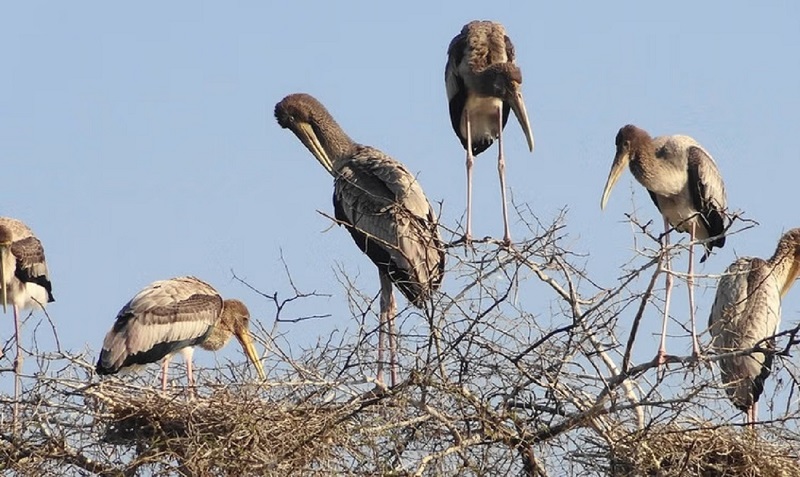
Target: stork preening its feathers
170, 316
483, 84
746, 313
381, 204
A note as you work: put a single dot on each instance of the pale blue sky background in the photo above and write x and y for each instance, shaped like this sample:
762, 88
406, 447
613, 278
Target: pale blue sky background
139, 142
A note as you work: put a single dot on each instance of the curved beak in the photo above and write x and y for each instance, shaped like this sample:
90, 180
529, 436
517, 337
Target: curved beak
3, 252
250, 350
308, 137
620, 161
794, 274
518, 106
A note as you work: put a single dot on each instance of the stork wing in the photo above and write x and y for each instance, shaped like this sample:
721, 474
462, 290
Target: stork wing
746, 310
31, 265
164, 317
708, 192
390, 219
454, 83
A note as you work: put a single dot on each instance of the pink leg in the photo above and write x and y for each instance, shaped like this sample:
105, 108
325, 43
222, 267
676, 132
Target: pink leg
662, 349
501, 170
17, 369
387, 311
690, 284
164, 369
470, 162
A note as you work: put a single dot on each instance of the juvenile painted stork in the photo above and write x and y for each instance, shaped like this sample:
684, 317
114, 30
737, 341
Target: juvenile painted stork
24, 280
170, 316
483, 84
382, 206
687, 188
746, 312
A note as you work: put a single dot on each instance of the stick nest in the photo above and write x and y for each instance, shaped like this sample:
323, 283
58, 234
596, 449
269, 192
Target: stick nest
231, 432
667, 451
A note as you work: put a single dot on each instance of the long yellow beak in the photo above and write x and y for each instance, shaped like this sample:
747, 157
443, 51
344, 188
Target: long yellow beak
250, 350
794, 274
309, 138
3, 252
518, 106
620, 161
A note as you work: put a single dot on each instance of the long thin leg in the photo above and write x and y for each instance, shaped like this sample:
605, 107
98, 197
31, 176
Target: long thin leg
387, 324
662, 349
470, 162
690, 284
501, 170
17, 369
164, 369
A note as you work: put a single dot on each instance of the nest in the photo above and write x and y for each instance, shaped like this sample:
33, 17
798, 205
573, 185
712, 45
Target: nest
667, 451
231, 432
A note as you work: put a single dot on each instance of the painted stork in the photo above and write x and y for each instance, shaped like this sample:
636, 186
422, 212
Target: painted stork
24, 280
175, 315
383, 207
746, 313
483, 84
687, 188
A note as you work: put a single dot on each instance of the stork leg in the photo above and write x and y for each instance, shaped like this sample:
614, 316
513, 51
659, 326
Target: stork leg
17, 369
662, 348
187, 353
470, 162
690, 284
164, 369
501, 170
387, 313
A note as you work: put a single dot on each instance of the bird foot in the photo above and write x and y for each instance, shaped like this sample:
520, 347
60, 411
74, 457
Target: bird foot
661, 364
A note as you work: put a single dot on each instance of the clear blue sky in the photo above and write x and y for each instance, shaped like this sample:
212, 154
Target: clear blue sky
139, 143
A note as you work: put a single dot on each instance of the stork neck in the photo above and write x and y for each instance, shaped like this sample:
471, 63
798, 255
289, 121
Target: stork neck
654, 173
785, 266
334, 140
218, 338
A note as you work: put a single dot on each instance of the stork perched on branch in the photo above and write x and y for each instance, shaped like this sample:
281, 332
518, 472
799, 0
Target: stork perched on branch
746, 313
687, 188
483, 84
383, 207
170, 316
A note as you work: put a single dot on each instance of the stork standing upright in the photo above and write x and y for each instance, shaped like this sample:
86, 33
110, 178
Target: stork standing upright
687, 188
24, 282
383, 207
483, 84
746, 313
170, 316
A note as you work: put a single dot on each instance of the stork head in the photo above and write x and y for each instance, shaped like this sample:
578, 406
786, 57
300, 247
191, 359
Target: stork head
308, 119
504, 80
790, 245
5, 251
235, 319
628, 140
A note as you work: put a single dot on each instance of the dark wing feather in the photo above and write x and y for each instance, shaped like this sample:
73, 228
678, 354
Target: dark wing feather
708, 194
389, 218
163, 318
454, 83
31, 265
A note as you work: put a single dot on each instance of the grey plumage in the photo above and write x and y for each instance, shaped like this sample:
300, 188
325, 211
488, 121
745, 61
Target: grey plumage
483, 85
683, 181
379, 201
25, 273
174, 315
746, 312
